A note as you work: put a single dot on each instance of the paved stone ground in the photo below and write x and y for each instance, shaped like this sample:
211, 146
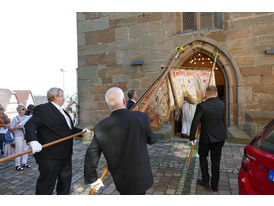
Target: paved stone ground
168, 161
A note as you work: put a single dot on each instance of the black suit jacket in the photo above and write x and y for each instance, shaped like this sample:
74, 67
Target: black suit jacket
211, 115
123, 138
46, 125
130, 103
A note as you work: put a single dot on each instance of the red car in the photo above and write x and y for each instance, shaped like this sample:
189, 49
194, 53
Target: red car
256, 176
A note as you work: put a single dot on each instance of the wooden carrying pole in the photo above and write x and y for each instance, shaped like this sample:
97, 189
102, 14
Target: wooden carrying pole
157, 83
193, 146
213, 67
92, 192
147, 91
155, 86
43, 146
180, 50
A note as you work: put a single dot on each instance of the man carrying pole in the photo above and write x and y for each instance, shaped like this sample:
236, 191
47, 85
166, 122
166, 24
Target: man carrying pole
211, 81
48, 123
123, 138
149, 94
213, 135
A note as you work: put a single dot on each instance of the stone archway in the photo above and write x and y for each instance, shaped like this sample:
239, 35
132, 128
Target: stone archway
228, 67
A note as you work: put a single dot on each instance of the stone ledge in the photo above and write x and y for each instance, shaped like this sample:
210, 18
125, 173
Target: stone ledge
256, 120
254, 116
236, 135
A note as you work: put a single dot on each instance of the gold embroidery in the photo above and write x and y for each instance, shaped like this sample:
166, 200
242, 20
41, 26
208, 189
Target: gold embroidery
182, 84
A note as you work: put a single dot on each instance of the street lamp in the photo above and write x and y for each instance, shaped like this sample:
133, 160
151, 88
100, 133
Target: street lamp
62, 70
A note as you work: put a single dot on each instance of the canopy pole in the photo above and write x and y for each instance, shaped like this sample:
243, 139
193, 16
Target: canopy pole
43, 146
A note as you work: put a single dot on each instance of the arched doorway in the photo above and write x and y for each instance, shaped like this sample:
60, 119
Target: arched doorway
201, 61
228, 76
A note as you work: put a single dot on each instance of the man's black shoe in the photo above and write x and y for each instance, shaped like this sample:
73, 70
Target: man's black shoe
200, 182
214, 188
185, 136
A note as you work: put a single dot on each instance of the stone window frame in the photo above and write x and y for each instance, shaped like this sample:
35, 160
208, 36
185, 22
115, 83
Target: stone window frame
217, 23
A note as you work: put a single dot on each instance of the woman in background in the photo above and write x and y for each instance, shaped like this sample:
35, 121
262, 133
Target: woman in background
18, 132
4, 123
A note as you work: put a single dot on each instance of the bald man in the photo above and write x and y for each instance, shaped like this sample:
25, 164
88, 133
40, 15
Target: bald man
123, 139
213, 134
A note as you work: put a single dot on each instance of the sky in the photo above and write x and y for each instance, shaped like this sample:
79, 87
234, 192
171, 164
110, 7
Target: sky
34, 45
38, 38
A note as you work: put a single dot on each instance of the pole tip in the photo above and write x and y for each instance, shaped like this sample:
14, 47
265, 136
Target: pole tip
180, 49
217, 54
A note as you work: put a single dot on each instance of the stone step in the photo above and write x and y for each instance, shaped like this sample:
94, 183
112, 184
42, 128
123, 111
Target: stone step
239, 136
256, 120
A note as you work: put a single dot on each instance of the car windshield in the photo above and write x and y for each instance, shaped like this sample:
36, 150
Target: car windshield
265, 139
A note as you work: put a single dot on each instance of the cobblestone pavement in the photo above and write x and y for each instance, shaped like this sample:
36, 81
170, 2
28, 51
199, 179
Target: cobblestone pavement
168, 162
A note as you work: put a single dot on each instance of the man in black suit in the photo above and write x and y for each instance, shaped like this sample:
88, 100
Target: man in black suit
133, 97
49, 123
212, 137
123, 139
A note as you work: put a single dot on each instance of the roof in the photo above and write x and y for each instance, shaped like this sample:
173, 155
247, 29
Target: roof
22, 96
40, 100
5, 95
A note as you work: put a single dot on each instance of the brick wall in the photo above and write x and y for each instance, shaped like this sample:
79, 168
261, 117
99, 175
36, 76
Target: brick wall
247, 37
109, 42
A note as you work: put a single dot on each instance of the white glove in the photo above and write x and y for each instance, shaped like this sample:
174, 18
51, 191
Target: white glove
99, 183
87, 131
35, 146
193, 142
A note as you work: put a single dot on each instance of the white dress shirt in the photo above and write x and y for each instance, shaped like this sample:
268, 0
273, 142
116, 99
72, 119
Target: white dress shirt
63, 113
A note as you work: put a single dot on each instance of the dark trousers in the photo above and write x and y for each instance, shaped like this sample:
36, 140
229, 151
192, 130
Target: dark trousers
2, 139
215, 158
50, 171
